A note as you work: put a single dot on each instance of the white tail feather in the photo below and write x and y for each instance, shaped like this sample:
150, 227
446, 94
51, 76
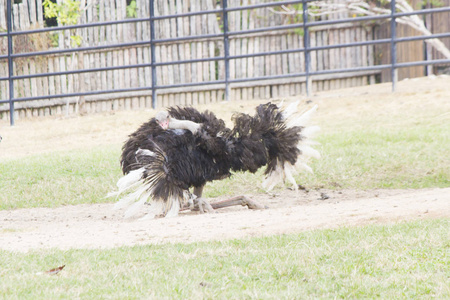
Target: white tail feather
136, 191
304, 166
155, 209
288, 170
290, 110
310, 131
280, 105
303, 120
128, 180
125, 201
274, 178
128, 199
309, 151
173, 211
158, 208
136, 207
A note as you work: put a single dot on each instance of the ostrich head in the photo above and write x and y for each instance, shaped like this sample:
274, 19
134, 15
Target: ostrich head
163, 119
168, 122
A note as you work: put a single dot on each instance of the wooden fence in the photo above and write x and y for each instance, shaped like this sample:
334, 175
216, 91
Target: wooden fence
415, 50
28, 15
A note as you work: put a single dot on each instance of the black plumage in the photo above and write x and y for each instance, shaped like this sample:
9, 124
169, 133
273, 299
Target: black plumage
161, 164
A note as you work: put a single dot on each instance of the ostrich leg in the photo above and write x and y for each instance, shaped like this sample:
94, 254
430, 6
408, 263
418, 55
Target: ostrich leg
198, 191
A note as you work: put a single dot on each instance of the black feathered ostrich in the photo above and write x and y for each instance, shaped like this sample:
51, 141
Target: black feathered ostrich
182, 148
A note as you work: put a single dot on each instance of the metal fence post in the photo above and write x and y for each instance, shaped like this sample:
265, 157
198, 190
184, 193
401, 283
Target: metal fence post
153, 54
10, 62
226, 45
393, 46
306, 47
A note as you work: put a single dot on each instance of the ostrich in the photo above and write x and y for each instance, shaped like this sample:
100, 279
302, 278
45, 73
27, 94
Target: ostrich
182, 148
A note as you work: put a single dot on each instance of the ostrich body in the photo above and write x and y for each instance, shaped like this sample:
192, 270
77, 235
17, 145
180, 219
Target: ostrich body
183, 148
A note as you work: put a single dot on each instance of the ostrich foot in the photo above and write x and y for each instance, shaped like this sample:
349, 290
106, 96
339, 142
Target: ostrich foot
199, 204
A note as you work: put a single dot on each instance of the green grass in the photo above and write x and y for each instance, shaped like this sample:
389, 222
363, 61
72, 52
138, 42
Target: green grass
384, 157
403, 261
60, 178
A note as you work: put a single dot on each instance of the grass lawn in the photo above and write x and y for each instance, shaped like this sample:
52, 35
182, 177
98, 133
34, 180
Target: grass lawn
409, 260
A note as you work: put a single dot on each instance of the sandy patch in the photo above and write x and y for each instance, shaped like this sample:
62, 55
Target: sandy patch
99, 226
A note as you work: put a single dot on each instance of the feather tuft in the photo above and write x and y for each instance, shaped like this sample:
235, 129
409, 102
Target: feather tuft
290, 110
285, 167
304, 119
308, 151
130, 179
310, 131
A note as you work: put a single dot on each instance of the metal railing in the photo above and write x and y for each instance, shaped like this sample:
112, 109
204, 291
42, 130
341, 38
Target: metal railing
305, 25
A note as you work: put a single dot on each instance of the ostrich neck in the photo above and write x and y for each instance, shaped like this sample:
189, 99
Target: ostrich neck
184, 124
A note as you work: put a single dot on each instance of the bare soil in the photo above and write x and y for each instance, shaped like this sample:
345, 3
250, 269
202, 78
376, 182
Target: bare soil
99, 226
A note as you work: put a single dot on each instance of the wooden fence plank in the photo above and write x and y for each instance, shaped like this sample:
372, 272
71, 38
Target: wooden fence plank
15, 16
43, 81
115, 73
244, 42
333, 55
26, 66
140, 25
326, 53
185, 47
126, 72
199, 65
58, 84
3, 16
114, 15
284, 57
313, 43
363, 49
159, 78
205, 65
70, 82
179, 47
147, 70
163, 79
24, 15
101, 29
32, 12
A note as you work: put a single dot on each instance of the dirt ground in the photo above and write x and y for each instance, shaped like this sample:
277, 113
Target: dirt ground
99, 226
